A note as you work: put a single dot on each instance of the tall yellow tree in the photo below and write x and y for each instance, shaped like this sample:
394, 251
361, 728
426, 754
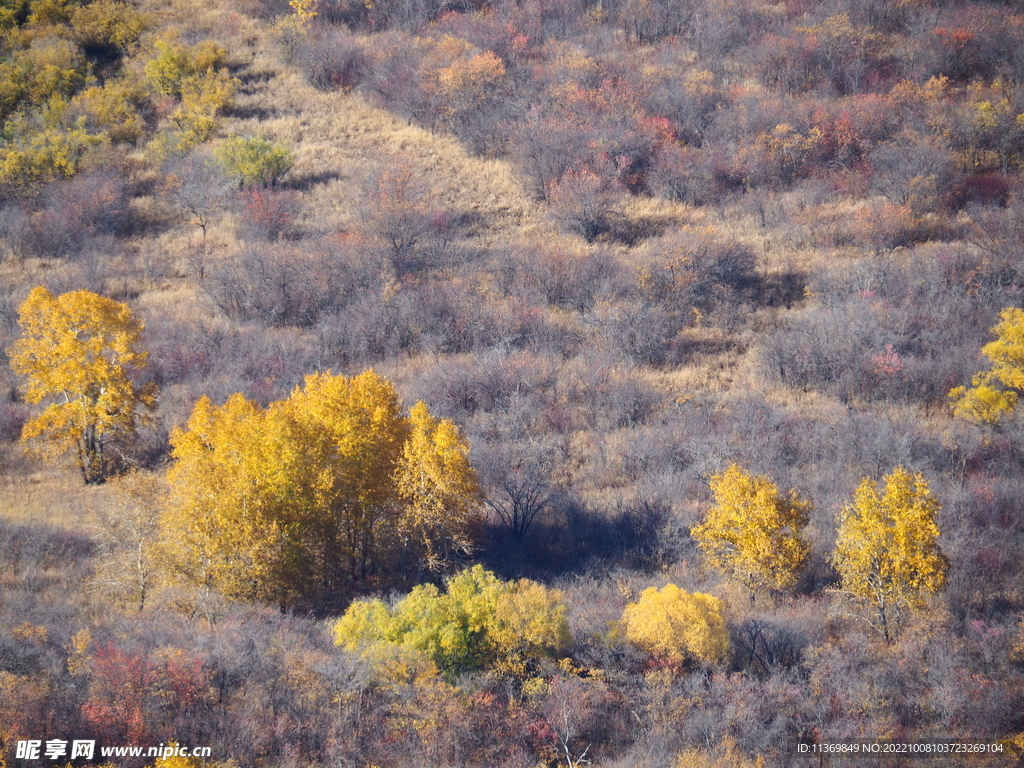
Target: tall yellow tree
439, 485
347, 439
219, 530
78, 352
887, 549
753, 533
982, 401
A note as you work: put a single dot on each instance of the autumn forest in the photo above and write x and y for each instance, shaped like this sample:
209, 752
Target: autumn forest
511, 383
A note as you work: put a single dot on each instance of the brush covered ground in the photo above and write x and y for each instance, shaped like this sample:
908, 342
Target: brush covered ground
623, 246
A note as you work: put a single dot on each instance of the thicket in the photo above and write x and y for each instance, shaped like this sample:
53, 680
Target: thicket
914, 107
79, 79
766, 242
313, 497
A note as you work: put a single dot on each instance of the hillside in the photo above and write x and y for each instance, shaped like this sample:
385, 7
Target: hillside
511, 383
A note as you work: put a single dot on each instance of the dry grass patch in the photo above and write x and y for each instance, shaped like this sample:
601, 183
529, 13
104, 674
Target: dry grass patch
340, 141
714, 372
652, 216
54, 496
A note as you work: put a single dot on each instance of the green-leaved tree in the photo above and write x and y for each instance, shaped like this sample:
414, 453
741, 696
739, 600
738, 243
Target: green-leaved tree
478, 621
253, 161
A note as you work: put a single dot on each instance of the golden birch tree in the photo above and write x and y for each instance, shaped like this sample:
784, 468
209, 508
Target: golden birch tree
440, 489
887, 550
348, 435
219, 530
78, 352
985, 400
753, 533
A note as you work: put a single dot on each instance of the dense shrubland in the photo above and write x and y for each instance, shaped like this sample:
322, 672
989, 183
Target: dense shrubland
643, 265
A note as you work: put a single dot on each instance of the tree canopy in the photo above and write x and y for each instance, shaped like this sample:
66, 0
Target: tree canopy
477, 621
982, 401
887, 549
78, 351
752, 532
677, 625
305, 499
439, 488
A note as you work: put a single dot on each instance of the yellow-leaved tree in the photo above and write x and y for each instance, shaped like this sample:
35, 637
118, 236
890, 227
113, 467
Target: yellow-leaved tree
348, 440
440, 488
78, 351
219, 530
301, 501
753, 533
982, 401
676, 625
887, 549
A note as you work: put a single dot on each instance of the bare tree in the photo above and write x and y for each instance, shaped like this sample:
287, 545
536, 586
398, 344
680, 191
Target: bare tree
126, 529
521, 494
199, 191
398, 210
197, 187
585, 203
565, 737
912, 170
517, 481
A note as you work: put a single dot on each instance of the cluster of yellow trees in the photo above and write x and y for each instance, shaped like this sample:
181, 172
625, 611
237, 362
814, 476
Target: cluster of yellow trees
887, 551
316, 493
887, 556
480, 621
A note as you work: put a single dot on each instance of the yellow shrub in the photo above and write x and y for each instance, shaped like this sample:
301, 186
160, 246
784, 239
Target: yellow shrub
14, 75
49, 13
113, 109
677, 625
983, 402
56, 67
202, 98
176, 64
753, 532
479, 621
108, 24
47, 154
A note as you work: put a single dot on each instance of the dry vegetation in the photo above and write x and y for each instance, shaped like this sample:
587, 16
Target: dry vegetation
623, 246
